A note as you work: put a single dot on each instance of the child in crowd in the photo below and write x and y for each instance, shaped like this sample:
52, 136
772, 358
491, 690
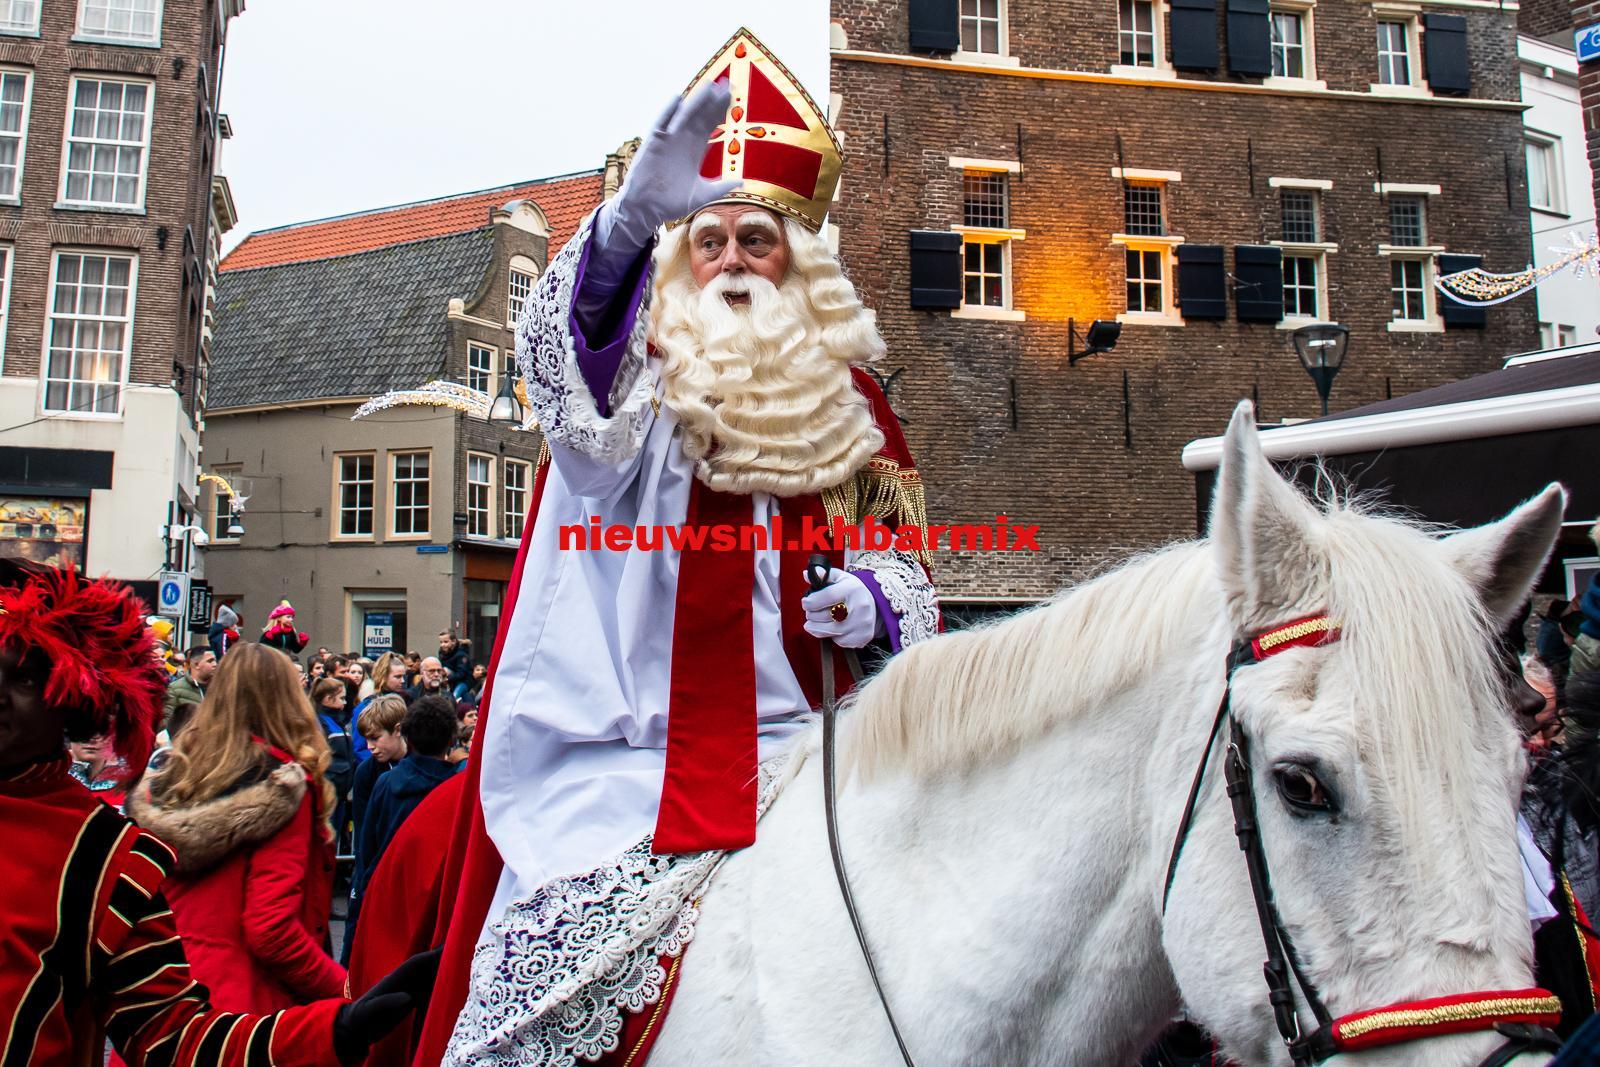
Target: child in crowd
379, 723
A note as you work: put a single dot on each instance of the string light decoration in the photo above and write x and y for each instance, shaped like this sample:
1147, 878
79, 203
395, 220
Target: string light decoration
442, 394
1477, 286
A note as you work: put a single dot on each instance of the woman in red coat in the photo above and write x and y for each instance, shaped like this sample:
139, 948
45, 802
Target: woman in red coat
243, 801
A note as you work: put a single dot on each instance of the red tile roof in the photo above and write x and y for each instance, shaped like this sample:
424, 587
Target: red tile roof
565, 200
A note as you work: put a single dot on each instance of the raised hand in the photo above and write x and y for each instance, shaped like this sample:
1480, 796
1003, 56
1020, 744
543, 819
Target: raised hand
664, 183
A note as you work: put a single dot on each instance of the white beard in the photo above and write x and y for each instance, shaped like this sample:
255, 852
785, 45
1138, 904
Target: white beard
763, 390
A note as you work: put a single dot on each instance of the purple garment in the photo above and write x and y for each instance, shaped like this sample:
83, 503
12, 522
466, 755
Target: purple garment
891, 621
602, 323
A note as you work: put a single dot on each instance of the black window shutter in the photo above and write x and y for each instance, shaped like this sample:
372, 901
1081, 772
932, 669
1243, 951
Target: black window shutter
1250, 37
935, 25
935, 269
1444, 51
1202, 282
1194, 34
1453, 311
1258, 283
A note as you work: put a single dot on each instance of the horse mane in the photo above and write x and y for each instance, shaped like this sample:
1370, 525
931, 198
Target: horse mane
1413, 625
973, 695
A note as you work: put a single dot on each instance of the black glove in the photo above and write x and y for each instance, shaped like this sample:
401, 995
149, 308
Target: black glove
362, 1022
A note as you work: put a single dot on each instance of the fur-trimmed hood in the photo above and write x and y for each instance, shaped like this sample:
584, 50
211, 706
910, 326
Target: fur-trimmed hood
205, 834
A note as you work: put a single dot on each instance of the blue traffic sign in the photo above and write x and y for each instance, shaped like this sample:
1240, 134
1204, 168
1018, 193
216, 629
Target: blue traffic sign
1588, 43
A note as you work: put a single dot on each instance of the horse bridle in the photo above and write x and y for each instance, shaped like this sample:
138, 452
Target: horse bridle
1522, 1016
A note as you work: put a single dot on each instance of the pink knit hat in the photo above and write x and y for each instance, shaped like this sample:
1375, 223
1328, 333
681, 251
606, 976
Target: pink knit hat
283, 609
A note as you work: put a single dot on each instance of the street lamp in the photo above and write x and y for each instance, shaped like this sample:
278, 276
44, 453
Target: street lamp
506, 410
1321, 348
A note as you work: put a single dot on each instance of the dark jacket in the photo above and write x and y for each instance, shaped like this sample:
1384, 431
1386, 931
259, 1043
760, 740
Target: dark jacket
342, 768
1591, 610
457, 664
183, 690
394, 797
223, 632
367, 773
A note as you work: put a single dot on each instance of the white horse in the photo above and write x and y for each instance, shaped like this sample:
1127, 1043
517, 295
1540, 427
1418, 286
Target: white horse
1012, 793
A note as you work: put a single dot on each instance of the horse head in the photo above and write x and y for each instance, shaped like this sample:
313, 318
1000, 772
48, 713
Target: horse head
1386, 765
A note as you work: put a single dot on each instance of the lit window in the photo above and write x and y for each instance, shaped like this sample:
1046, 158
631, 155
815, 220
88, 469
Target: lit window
19, 16
411, 493
987, 237
107, 134
355, 490
985, 274
136, 21
480, 368
1136, 32
521, 288
1394, 53
1300, 215
1544, 175
1289, 45
1147, 286
1409, 287
1142, 214
1300, 292
980, 26
516, 507
91, 320
1407, 221
13, 130
480, 495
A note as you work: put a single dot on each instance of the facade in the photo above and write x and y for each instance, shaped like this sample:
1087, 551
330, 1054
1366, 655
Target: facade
110, 213
405, 523
1560, 23
1210, 175
1560, 185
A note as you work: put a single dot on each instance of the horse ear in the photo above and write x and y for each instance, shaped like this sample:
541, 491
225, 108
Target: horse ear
1503, 560
1268, 557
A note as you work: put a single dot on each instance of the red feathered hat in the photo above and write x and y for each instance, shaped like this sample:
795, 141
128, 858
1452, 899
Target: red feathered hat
100, 654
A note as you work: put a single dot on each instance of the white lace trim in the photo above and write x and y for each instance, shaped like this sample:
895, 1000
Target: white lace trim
551, 983
547, 357
908, 590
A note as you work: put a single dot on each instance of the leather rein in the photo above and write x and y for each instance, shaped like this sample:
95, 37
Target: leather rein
1522, 1016
817, 574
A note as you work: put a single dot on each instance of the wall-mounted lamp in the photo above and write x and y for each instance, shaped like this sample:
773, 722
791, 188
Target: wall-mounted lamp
1101, 337
506, 410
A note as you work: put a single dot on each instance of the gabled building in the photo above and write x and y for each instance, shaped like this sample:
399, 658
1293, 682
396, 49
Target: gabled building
395, 527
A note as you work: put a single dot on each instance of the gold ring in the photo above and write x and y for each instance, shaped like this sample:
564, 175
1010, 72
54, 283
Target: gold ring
838, 613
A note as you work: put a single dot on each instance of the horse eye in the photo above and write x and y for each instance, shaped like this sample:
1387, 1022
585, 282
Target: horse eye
1301, 790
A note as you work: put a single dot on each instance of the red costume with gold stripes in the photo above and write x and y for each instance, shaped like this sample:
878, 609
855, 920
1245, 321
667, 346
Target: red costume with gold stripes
88, 949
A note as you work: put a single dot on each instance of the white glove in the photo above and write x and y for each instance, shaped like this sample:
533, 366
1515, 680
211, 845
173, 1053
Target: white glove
860, 623
663, 182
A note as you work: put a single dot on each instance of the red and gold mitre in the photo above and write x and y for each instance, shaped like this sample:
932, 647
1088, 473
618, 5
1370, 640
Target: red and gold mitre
775, 139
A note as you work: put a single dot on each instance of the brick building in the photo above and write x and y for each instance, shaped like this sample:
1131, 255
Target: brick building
405, 523
1209, 173
110, 213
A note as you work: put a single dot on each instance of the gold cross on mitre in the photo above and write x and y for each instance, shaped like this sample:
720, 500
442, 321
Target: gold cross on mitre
774, 138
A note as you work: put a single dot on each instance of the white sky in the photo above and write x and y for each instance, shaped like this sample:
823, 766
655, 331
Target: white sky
357, 104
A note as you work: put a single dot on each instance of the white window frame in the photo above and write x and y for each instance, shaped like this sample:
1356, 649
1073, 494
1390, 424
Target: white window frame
67, 141
1411, 16
1161, 69
10, 251
514, 518
489, 490
985, 235
519, 265
395, 534
1429, 322
494, 360
215, 513
1306, 10
1167, 246
1318, 254
22, 31
336, 529
1002, 58
22, 133
49, 331
102, 37
1552, 146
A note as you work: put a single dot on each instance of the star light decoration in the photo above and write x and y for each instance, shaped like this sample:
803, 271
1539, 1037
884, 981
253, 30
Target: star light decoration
445, 394
1477, 286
